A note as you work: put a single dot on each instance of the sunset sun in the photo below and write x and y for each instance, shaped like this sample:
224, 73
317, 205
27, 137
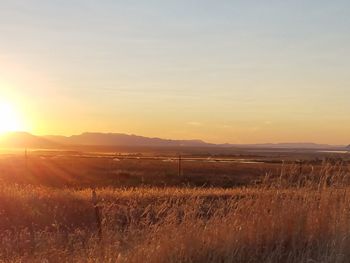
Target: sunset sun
9, 118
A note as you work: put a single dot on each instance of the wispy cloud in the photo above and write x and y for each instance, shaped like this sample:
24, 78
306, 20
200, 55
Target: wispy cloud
194, 123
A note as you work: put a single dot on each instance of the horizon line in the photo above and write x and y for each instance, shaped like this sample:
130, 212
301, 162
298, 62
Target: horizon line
201, 140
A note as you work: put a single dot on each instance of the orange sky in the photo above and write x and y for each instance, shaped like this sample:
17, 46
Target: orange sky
234, 72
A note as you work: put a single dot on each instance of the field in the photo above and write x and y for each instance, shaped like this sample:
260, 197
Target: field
257, 207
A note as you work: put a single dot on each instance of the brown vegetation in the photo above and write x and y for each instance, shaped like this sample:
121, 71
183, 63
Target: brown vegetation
101, 171
290, 218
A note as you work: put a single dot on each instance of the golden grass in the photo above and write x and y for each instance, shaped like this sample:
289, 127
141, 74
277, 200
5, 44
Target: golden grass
291, 218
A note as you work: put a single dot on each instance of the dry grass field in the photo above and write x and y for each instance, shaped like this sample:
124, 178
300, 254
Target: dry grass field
286, 217
68, 171
174, 131
79, 169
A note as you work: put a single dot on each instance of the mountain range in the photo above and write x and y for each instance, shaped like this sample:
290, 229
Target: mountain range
24, 139
120, 139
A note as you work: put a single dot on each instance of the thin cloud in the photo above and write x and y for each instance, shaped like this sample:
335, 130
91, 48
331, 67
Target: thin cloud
194, 123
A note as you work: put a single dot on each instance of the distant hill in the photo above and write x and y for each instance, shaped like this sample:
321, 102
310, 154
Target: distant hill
119, 139
289, 146
25, 140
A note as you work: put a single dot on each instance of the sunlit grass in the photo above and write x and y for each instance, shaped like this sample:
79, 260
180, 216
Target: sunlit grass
292, 218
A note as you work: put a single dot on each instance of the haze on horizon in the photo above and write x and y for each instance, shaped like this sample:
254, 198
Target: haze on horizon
220, 71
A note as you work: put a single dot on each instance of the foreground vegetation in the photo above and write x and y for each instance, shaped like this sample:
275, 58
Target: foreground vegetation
290, 218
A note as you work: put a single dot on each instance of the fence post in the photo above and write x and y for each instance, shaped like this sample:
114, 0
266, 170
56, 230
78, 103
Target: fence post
26, 159
180, 168
32, 238
97, 213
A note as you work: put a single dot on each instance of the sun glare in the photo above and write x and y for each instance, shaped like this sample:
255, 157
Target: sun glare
9, 119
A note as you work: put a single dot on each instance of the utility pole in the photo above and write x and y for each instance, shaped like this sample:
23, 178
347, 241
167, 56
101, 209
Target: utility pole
26, 159
180, 168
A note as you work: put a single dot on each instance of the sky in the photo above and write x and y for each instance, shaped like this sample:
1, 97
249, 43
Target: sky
222, 71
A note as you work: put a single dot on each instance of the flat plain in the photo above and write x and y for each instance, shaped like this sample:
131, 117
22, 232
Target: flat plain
77, 206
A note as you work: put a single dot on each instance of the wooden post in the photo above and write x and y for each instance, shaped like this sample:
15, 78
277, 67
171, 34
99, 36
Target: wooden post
32, 238
180, 168
26, 159
97, 213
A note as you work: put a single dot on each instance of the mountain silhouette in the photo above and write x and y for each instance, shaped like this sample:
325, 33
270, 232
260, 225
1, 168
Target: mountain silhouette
302, 145
119, 139
25, 140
